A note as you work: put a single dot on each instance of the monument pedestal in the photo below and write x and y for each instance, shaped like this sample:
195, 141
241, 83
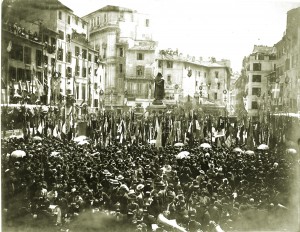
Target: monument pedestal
156, 108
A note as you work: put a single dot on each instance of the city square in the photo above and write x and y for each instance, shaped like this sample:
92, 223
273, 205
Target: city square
102, 129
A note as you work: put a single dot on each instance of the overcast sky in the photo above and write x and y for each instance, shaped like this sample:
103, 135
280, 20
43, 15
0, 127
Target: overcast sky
225, 29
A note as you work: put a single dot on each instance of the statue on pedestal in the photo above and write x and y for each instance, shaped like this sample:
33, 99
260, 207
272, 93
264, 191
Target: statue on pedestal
159, 90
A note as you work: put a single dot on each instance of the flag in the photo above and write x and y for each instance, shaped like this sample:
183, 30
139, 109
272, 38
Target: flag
158, 142
55, 131
9, 47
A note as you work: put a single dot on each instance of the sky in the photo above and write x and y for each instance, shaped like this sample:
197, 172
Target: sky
224, 29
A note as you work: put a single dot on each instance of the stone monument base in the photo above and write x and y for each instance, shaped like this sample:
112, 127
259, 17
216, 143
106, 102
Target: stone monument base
156, 108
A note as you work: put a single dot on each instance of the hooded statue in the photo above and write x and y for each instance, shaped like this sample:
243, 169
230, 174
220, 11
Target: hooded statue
159, 90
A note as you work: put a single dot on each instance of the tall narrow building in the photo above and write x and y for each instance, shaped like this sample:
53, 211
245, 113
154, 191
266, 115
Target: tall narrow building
124, 42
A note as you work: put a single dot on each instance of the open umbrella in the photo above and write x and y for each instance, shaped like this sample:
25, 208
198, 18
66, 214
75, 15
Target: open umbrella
291, 151
18, 154
54, 153
178, 145
263, 147
80, 138
237, 149
83, 142
205, 145
249, 152
183, 155
37, 138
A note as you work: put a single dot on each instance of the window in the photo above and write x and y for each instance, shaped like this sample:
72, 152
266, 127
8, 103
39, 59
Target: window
169, 78
199, 73
256, 91
61, 35
254, 105
121, 68
21, 74
52, 61
256, 66
90, 57
261, 56
60, 15
69, 57
140, 56
121, 52
95, 72
76, 20
140, 71
105, 18
77, 70
27, 55
216, 74
83, 25
256, 78
38, 57
216, 96
16, 52
160, 63
96, 59
98, 20
77, 91
204, 74
69, 19
28, 75
68, 38
83, 72
84, 53
60, 53
69, 72
45, 60
169, 64
83, 88
95, 86
147, 22
96, 102
12, 73
77, 51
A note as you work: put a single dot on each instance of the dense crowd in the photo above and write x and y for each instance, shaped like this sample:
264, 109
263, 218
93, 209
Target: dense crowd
137, 183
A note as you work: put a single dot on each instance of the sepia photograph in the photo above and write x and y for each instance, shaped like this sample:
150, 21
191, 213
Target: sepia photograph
150, 116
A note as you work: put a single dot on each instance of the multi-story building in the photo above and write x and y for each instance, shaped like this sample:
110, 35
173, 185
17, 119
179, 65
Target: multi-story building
286, 78
258, 67
124, 41
187, 77
51, 44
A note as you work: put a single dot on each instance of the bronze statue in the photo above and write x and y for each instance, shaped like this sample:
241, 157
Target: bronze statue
159, 90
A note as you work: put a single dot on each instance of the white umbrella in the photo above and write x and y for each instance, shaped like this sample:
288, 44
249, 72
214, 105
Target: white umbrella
237, 149
83, 142
183, 155
178, 145
80, 138
54, 153
205, 145
18, 154
249, 152
153, 141
291, 151
37, 138
263, 147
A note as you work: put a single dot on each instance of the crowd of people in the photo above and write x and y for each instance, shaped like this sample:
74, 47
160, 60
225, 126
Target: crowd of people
140, 185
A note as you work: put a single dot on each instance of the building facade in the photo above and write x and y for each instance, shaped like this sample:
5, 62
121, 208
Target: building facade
286, 78
50, 44
258, 67
124, 41
188, 77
